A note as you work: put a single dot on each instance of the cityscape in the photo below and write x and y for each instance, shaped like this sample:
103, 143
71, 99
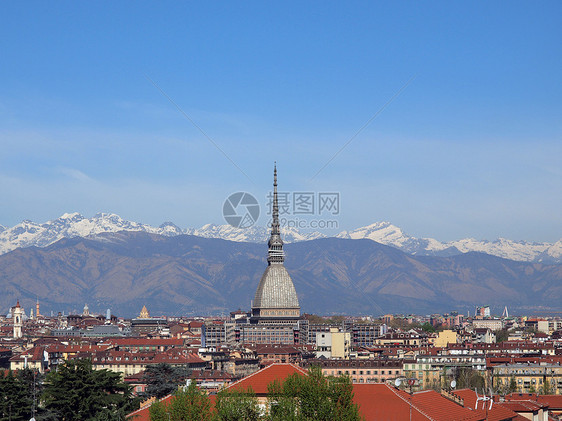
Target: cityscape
291, 211
443, 360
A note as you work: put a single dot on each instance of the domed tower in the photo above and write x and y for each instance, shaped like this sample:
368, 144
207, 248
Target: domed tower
276, 298
17, 314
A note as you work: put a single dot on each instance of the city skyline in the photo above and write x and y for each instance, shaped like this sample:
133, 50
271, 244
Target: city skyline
465, 142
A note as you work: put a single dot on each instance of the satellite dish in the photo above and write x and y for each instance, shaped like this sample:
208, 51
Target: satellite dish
453, 384
397, 382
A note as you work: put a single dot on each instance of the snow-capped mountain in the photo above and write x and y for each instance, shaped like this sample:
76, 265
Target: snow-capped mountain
386, 233
69, 225
252, 234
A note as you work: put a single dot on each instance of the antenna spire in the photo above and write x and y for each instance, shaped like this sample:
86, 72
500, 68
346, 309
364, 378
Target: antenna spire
275, 253
275, 210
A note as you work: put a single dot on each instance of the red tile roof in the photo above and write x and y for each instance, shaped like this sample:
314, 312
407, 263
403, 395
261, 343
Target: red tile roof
439, 408
521, 406
33, 354
554, 402
259, 380
497, 413
378, 401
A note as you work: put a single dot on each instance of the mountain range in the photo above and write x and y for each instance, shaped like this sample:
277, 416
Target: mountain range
186, 274
71, 225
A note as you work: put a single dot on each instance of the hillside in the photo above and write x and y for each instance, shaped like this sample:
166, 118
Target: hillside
186, 274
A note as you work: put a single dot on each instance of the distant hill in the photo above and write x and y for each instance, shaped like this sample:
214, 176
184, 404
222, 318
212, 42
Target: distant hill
186, 274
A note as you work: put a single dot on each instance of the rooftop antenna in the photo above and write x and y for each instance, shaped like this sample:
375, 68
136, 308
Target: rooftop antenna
483, 399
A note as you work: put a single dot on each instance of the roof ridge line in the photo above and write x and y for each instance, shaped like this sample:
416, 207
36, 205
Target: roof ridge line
409, 402
265, 368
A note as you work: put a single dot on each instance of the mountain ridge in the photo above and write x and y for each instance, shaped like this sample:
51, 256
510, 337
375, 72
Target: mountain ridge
69, 225
186, 274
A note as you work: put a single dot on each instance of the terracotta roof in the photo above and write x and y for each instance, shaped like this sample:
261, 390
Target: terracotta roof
33, 354
554, 402
379, 401
76, 348
521, 406
497, 413
440, 408
259, 380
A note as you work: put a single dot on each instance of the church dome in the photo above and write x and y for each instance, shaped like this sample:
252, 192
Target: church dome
276, 289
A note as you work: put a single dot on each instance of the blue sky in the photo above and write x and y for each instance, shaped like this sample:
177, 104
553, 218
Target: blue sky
472, 146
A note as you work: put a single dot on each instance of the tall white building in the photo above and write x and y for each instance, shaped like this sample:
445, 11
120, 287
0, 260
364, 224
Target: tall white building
17, 314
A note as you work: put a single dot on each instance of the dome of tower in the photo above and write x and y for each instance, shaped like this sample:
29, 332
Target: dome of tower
276, 289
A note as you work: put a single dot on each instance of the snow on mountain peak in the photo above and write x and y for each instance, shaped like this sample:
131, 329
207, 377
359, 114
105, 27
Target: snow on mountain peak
28, 233
72, 215
381, 232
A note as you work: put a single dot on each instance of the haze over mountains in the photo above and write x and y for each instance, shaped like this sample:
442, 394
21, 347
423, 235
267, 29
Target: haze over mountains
28, 233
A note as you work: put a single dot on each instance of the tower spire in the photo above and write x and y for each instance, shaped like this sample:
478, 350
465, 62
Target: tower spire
275, 211
275, 253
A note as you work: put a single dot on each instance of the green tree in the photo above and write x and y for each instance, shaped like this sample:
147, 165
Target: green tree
468, 378
312, 397
427, 327
15, 401
158, 412
512, 385
502, 335
20, 396
188, 404
77, 392
237, 406
163, 379
545, 388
